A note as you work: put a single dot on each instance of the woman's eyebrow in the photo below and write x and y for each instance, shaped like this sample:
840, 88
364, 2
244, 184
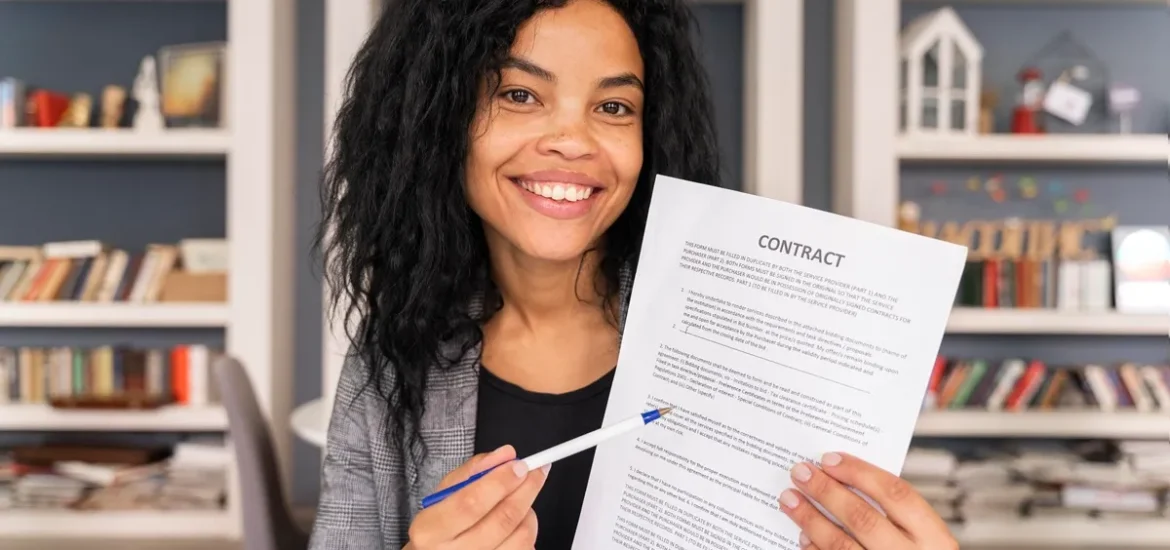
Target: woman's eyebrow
617, 81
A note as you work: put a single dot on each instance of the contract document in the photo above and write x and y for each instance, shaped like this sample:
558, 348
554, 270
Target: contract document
778, 333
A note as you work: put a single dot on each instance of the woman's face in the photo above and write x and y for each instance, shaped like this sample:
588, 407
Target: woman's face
557, 150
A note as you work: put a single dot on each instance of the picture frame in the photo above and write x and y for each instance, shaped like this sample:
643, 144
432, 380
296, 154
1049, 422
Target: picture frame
192, 84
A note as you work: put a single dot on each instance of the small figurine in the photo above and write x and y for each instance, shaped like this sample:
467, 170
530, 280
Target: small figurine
988, 101
78, 113
148, 115
1024, 116
113, 103
1123, 100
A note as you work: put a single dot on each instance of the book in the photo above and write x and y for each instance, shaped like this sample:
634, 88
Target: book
777, 333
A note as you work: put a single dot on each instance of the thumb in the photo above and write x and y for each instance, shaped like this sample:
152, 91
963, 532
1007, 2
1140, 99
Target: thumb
476, 464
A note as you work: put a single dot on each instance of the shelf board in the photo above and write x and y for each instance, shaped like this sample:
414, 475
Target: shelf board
1043, 424
1064, 533
148, 524
42, 418
97, 142
1108, 148
1052, 321
91, 314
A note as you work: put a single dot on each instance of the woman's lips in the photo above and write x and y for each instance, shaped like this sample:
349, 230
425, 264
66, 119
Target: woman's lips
558, 199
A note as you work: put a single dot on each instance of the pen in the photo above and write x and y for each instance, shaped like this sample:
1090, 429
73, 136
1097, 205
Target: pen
566, 449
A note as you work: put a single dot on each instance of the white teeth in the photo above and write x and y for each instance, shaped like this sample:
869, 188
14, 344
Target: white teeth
558, 191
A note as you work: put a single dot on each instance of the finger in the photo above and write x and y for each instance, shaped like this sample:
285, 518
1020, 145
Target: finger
895, 495
524, 536
476, 464
457, 513
814, 526
869, 526
506, 516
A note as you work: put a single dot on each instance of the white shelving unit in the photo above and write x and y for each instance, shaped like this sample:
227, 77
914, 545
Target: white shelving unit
39, 418
1065, 149
1057, 322
114, 315
1061, 424
1062, 534
119, 143
868, 152
258, 151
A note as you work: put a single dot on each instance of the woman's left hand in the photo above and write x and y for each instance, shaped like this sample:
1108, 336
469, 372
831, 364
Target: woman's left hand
909, 523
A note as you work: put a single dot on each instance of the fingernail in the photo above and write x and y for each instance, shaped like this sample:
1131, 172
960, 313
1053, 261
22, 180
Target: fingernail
520, 468
804, 542
801, 473
788, 499
831, 459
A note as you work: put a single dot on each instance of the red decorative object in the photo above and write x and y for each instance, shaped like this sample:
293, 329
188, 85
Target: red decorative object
1025, 115
938, 188
999, 195
1081, 196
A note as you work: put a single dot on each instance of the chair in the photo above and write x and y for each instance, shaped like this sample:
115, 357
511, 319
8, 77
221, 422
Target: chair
268, 522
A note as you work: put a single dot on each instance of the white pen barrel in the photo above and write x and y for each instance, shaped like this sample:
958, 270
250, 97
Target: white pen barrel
574, 446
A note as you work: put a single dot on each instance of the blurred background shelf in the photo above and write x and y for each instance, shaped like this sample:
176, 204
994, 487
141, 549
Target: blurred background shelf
1064, 534
1053, 321
1045, 424
1088, 148
41, 418
131, 524
87, 314
120, 143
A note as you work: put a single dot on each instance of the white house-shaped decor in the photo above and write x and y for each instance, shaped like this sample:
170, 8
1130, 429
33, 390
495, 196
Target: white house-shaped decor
941, 76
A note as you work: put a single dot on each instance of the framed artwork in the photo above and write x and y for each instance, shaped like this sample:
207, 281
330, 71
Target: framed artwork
191, 81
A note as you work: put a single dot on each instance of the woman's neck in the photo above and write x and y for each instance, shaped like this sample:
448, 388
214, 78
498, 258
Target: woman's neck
551, 334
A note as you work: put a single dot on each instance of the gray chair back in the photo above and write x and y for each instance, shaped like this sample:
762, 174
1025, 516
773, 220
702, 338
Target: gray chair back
268, 522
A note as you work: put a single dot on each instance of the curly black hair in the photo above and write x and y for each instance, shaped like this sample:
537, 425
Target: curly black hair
400, 242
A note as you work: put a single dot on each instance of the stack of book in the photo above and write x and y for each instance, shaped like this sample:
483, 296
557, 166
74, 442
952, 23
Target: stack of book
194, 270
1084, 480
71, 376
1019, 384
191, 476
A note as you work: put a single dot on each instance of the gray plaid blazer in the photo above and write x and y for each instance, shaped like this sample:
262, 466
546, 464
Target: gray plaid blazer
369, 491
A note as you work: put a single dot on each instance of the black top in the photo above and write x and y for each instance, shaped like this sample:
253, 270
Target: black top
532, 422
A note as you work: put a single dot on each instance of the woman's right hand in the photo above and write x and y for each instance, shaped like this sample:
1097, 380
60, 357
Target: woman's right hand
494, 512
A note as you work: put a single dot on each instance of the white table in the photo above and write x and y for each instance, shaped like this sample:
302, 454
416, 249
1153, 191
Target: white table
311, 421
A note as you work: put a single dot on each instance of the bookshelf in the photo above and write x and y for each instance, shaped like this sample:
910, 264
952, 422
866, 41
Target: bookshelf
115, 315
170, 525
1076, 149
1060, 534
1058, 424
39, 418
870, 152
257, 149
1055, 322
113, 144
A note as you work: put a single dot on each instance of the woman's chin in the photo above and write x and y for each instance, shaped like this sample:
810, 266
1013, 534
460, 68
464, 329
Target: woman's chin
555, 250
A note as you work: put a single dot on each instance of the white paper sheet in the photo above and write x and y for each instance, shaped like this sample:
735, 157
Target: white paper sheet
778, 333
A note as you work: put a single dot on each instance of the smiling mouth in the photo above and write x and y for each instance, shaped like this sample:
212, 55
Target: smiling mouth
557, 191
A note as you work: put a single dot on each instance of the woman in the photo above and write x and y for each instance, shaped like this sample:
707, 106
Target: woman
488, 192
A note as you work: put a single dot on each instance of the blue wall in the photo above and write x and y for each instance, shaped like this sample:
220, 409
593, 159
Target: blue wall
82, 46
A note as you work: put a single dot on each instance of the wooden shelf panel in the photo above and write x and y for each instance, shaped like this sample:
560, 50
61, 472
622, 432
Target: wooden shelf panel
1043, 424
37, 417
149, 524
89, 314
1065, 533
1110, 148
65, 143
1053, 321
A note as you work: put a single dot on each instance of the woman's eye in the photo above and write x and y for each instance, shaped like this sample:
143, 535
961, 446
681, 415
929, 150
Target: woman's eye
518, 96
614, 108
